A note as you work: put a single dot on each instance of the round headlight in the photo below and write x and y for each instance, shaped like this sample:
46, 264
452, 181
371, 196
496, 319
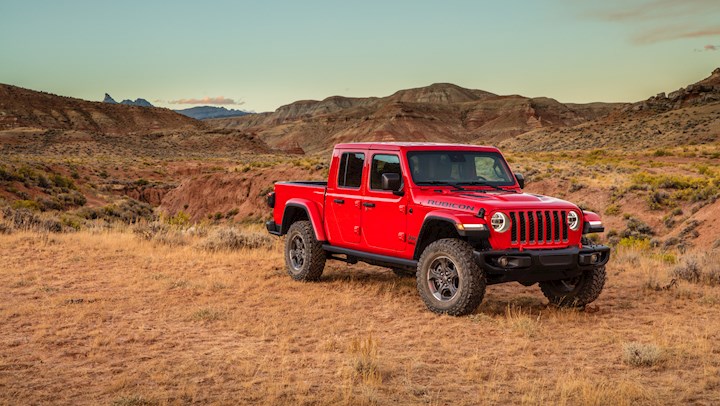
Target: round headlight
500, 222
573, 220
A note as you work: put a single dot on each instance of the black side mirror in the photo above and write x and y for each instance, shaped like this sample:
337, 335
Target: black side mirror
520, 180
391, 181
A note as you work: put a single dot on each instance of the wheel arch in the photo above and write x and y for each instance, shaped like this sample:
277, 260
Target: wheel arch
435, 227
302, 209
440, 224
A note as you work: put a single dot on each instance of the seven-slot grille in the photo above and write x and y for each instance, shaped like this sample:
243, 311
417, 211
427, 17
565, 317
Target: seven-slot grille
538, 227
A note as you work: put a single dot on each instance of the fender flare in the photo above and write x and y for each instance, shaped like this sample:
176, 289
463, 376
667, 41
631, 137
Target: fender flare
311, 210
453, 219
592, 223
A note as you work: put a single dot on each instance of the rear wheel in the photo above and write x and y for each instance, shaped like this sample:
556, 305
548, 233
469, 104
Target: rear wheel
575, 292
304, 256
448, 279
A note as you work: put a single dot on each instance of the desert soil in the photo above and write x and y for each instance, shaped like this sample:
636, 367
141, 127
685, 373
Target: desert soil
106, 318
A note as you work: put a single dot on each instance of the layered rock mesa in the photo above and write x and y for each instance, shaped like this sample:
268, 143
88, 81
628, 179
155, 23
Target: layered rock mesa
21, 107
441, 112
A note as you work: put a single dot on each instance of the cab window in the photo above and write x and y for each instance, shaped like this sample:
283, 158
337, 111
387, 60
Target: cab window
383, 163
350, 170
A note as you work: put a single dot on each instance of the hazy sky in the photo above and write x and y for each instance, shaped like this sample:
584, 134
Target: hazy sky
264, 54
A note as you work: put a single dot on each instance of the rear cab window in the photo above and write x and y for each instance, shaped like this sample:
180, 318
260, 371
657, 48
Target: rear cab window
350, 170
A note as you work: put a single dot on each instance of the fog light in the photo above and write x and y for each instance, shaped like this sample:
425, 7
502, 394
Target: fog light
594, 258
503, 261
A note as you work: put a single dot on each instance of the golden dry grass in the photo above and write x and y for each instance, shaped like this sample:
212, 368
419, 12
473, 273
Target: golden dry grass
105, 317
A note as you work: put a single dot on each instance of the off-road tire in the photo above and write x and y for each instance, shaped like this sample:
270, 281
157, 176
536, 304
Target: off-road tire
584, 290
306, 263
471, 278
404, 273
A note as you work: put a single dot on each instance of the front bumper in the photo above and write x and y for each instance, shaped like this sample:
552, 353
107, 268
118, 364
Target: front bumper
531, 266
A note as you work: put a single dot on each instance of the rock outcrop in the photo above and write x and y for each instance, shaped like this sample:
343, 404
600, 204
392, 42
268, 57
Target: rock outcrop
109, 99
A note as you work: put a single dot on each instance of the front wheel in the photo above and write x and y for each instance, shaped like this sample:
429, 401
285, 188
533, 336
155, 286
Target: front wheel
575, 292
304, 256
448, 279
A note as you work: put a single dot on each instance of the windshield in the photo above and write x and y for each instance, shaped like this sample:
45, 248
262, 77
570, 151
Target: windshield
459, 168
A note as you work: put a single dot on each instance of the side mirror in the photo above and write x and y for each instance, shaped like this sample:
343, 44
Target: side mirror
520, 180
391, 181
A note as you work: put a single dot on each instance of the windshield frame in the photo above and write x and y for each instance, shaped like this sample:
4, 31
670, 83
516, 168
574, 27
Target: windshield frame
512, 182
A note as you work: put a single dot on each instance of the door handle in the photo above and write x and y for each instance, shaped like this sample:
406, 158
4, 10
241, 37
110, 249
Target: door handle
368, 204
339, 201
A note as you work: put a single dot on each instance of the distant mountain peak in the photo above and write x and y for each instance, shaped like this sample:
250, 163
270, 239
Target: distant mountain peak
137, 102
109, 99
207, 112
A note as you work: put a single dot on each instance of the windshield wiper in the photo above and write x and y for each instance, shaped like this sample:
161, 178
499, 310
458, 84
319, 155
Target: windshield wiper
481, 183
440, 183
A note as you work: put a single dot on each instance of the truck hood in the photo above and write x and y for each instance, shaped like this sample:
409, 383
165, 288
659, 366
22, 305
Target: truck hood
473, 201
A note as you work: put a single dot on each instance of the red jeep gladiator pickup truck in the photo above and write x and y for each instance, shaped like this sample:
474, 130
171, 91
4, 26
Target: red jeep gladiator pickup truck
452, 215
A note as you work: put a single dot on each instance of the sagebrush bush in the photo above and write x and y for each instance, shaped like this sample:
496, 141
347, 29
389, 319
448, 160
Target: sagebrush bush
233, 239
701, 268
27, 220
160, 232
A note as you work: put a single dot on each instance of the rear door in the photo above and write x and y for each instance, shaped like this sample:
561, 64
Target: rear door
384, 213
343, 201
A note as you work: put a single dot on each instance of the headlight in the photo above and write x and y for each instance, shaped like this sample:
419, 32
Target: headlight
573, 220
500, 222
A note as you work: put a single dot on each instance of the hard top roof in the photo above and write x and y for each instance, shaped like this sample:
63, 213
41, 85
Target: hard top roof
413, 146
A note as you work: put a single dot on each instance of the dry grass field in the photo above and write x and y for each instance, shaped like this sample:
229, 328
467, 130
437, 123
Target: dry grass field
106, 317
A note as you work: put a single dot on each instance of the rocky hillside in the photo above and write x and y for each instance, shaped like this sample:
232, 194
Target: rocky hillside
21, 107
440, 112
687, 116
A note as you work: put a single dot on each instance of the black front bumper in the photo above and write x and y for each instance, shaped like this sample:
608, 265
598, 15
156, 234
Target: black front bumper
531, 266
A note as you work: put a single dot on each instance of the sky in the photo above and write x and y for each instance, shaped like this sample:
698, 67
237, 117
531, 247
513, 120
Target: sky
259, 55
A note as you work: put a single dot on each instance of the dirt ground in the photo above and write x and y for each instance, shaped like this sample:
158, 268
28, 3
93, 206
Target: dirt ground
107, 318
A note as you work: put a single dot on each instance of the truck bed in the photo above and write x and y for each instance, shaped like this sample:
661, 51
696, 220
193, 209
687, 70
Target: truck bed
319, 183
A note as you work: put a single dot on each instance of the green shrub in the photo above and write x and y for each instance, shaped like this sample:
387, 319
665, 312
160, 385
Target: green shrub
26, 204
639, 244
612, 210
179, 219
62, 181
662, 152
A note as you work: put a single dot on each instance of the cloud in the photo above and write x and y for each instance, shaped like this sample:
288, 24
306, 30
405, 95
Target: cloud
657, 9
671, 33
656, 20
708, 48
220, 100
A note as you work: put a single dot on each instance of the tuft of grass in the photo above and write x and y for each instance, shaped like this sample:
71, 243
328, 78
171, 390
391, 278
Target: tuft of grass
642, 355
365, 361
208, 315
522, 321
134, 401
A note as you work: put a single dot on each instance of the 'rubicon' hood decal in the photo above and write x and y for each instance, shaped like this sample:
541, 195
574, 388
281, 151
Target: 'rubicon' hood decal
472, 202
